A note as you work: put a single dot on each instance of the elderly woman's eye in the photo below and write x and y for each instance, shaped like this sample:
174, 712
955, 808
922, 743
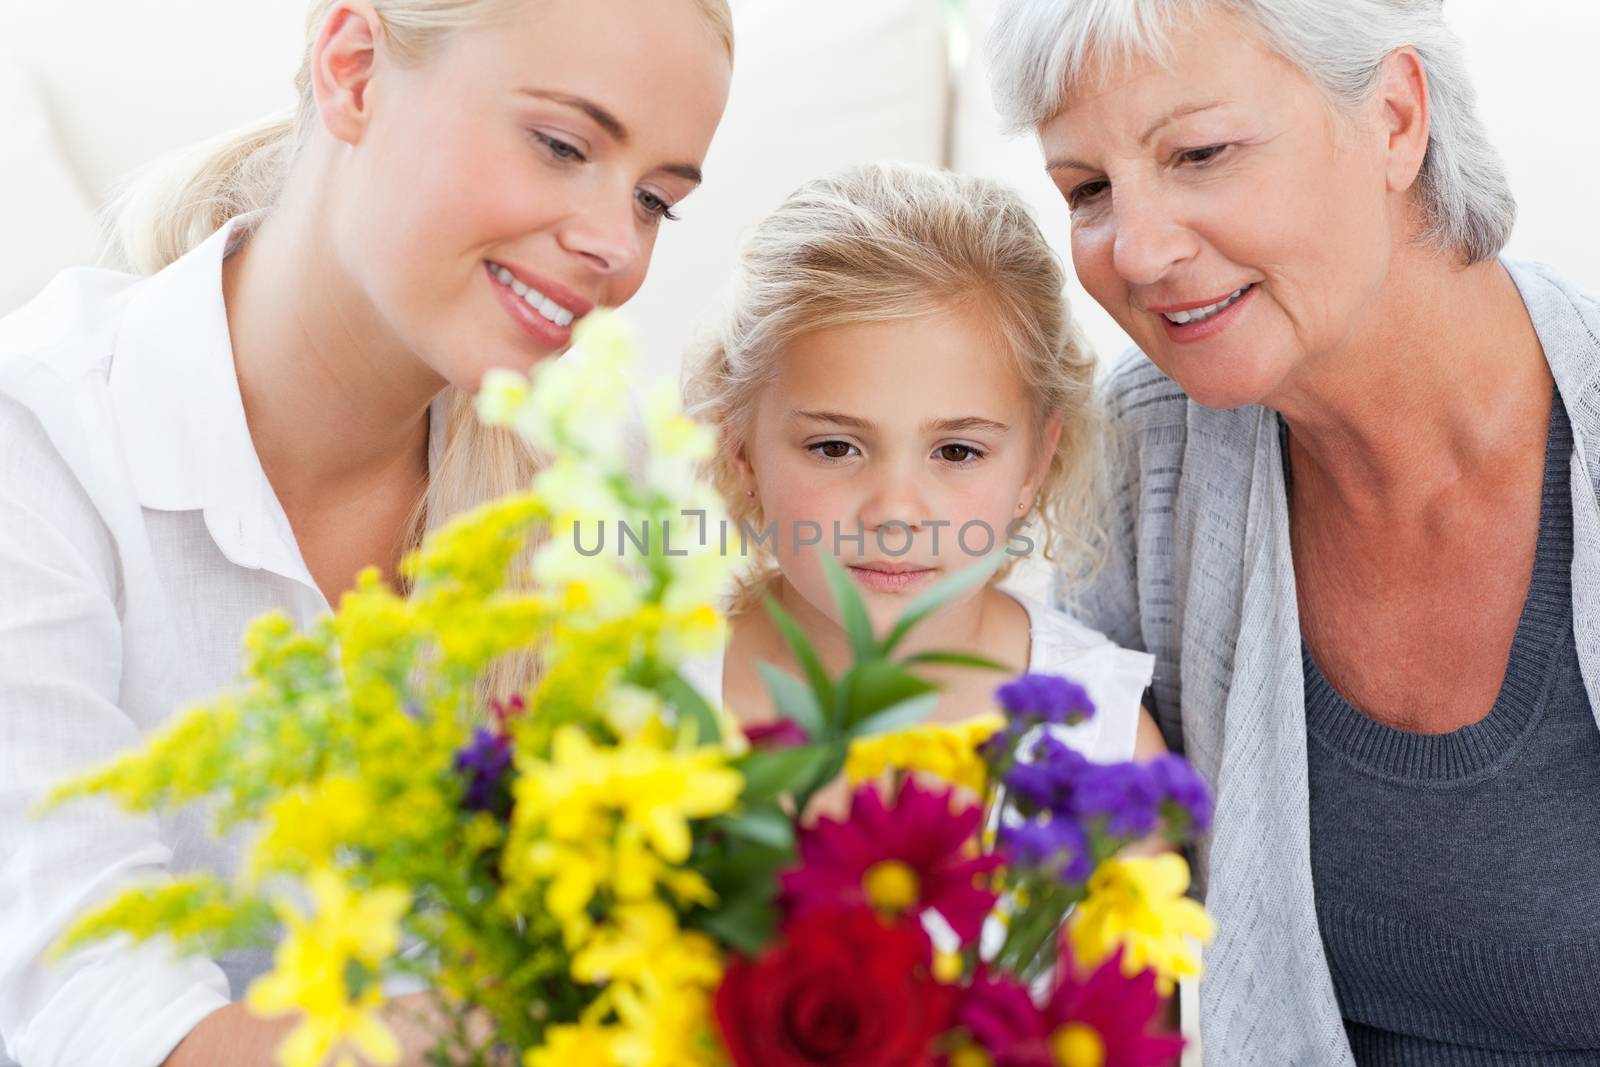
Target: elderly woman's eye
1202, 156
1086, 192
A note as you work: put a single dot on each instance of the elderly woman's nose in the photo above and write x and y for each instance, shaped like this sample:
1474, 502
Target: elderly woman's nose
1148, 240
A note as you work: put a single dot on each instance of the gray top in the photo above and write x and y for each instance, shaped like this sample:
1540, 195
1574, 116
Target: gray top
1201, 575
1457, 875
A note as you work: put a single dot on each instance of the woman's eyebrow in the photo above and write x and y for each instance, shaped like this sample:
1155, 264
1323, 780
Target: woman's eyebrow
1175, 114
612, 125
602, 118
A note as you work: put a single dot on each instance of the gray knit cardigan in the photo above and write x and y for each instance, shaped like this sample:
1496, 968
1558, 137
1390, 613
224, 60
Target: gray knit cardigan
1200, 574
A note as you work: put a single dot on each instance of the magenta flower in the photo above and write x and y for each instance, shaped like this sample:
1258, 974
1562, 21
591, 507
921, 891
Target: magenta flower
1104, 1019
918, 855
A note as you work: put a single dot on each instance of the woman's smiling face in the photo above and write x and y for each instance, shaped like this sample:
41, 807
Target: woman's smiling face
541, 151
1233, 223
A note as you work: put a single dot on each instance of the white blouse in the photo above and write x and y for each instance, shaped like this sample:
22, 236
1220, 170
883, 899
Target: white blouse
1115, 678
138, 537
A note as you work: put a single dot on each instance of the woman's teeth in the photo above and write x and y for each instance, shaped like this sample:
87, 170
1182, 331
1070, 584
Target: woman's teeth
534, 299
1201, 314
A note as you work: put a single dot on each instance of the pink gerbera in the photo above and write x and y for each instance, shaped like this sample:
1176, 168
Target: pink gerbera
918, 855
1100, 1021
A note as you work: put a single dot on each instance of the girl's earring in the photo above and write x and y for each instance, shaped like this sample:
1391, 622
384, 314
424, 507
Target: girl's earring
749, 492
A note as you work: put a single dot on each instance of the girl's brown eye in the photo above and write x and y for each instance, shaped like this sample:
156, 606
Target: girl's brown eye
833, 449
958, 453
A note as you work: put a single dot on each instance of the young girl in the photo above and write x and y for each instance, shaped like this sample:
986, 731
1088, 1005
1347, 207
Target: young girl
277, 406
897, 383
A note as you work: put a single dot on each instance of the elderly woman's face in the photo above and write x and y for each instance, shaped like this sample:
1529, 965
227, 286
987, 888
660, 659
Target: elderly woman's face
1233, 225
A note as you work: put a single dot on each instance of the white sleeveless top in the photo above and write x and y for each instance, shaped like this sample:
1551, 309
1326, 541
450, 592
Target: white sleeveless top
1115, 677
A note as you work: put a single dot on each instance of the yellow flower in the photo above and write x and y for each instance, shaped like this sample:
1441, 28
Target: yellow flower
1138, 905
592, 819
580, 1045
311, 970
949, 752
305, 827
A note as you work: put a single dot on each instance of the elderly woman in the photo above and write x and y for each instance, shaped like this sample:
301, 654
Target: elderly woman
1359, 524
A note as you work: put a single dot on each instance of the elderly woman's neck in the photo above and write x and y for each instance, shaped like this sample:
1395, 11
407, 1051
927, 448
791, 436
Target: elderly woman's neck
1444, 380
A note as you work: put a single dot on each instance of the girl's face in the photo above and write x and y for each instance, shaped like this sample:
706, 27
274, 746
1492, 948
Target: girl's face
915, 440
495, 193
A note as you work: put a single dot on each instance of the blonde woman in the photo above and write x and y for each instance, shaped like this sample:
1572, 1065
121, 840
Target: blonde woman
284, 402
897, 384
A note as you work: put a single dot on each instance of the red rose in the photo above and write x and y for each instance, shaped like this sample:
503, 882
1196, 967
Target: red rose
842, 989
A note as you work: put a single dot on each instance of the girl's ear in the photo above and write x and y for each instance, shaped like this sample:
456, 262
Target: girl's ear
1049, 439
738, 454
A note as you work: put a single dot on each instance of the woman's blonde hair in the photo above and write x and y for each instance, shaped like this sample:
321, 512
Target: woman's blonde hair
889, 241
180, 201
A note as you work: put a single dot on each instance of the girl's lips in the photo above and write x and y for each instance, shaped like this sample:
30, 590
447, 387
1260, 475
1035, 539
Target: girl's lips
888, 581
1190, 332
531, 322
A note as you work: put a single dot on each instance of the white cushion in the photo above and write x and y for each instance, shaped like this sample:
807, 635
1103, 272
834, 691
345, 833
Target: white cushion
817, 85
46, 223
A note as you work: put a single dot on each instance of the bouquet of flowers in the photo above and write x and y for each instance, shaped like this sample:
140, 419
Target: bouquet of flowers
601, 868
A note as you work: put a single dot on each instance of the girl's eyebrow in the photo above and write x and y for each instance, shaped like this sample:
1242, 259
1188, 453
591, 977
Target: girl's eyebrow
834, 417
968, 424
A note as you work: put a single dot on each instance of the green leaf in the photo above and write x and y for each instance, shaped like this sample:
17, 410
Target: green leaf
853, 610
692, 707
746, 924
769, 775
873, 686
804, 654
793, 700
940, 593
954, 659
765, 825
900, 716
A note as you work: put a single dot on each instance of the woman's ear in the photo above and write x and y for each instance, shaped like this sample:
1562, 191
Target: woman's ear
343, 60
1403, 93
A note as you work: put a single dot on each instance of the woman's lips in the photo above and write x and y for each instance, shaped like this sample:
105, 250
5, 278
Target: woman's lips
1190, 332
531, 322
889, 581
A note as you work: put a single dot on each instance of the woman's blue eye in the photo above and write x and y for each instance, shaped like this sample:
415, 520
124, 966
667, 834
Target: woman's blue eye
959, 453
560, 149
654, 205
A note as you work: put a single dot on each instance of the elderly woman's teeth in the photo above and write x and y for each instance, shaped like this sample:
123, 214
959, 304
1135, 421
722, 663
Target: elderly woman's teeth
1201, 314
534, 299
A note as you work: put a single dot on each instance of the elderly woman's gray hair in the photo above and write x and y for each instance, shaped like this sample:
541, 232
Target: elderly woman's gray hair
1039, 48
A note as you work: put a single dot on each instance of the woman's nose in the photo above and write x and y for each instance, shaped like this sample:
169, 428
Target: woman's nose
1149, 240
604, 232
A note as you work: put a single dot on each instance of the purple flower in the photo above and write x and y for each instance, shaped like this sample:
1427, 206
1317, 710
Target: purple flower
484, 762
1183, 791
1048, 780
1045, 698
1126, 795
1058, 846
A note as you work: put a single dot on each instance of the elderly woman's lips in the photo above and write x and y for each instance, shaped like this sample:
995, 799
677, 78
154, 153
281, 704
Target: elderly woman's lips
1208, 321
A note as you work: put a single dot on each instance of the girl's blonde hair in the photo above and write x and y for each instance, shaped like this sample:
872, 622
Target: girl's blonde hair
894, 241
172, 208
